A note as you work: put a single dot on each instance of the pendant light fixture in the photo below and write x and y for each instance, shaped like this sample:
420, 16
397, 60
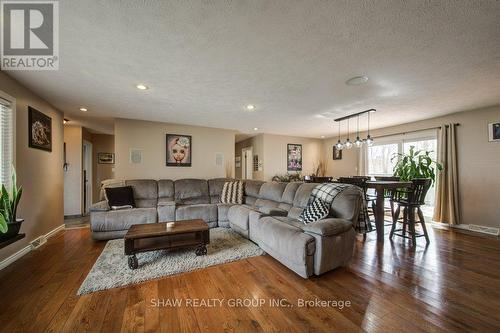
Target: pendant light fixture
348, 143
358, 143
369, 140
339, 144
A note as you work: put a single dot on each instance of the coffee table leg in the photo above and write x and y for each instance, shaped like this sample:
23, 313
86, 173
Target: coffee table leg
132, 262
201, 250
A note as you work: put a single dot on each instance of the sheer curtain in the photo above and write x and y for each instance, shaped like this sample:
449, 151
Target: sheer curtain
447, 198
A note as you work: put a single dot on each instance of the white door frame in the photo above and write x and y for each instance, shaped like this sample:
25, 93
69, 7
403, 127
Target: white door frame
247, 163
87, 166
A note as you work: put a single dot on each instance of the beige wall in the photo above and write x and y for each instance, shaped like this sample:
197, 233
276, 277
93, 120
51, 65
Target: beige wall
478, 162
272, 152
101, 143
275, 154
150, 137
39, 172
73, 174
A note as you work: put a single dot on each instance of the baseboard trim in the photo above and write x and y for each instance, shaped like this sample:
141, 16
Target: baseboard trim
473, 228
76, 216
25, 250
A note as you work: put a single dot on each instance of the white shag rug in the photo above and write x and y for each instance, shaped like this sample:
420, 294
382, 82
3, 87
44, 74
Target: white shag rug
111, 268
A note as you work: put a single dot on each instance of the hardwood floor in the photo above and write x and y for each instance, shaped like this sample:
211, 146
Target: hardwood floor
453, 285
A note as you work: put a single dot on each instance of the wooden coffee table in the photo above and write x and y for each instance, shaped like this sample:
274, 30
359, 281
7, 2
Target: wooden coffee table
157, 236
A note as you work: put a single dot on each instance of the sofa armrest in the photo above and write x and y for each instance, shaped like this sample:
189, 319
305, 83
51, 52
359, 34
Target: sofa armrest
271, 211
163, 203
101, 206
328, 227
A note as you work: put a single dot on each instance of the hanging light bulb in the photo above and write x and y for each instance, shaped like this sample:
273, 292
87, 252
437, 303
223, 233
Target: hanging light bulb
369, 140
348, 143
358, 143
339, 144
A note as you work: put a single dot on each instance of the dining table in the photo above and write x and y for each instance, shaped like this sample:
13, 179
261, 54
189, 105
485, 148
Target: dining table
380, 187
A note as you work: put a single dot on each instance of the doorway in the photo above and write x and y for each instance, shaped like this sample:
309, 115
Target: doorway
87, 176
247, 163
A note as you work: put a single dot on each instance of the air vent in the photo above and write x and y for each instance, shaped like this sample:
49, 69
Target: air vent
38, 242
486, 230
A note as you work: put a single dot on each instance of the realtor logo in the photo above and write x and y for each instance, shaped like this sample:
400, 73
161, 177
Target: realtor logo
30, 35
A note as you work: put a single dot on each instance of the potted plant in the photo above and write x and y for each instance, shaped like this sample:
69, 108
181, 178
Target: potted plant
416, 164
9, 223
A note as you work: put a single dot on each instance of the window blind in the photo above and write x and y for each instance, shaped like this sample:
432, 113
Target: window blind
6, 143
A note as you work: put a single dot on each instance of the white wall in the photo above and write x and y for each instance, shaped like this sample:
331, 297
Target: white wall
151, 137
73, 176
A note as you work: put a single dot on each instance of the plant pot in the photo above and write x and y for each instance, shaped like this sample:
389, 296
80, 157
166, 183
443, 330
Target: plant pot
12, 231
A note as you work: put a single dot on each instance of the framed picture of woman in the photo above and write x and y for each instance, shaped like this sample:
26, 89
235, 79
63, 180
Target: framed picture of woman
179, 149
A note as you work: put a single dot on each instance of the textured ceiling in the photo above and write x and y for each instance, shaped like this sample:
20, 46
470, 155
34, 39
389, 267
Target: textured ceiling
205, 60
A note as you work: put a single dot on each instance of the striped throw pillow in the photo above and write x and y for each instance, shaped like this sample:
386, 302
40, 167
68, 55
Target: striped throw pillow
232, 193
315, 211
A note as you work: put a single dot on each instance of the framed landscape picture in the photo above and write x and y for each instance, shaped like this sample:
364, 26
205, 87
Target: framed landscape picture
294, 157
39, 130
494, 131
106, 158
337, 153
179, 149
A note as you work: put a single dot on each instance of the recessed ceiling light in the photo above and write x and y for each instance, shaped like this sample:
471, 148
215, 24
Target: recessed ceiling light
250, 107
322, 136
83, 109
65, 121
141, 86
357, 80
255, 129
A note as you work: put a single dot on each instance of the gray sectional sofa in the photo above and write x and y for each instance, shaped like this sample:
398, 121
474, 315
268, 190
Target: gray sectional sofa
268, 216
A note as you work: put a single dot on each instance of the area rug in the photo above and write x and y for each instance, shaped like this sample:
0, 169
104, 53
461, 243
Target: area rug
111, 269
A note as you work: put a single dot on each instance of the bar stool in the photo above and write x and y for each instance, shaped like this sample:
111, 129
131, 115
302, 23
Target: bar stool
410, 200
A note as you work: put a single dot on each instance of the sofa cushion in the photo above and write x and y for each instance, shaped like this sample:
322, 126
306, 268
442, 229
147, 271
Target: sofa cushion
115, 220
273, 211
301, 199
145, 192
222, 210
191, 191
272, 191
206, 212
238, 216
215, 188
166, 190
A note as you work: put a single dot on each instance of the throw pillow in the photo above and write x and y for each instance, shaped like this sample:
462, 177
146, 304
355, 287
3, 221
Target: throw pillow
315, 211
120, 196
232, 193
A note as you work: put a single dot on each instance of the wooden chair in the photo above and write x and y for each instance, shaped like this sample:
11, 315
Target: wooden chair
360, 181
411, 200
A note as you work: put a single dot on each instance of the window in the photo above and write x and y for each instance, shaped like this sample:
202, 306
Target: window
380, 154
6, 142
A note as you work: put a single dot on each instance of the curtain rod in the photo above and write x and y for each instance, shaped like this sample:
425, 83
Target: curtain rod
419, 130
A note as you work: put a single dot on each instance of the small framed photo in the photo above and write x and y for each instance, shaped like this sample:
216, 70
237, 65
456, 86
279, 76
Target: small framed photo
494, 131
337, 153
179, 150
106, 158
39, 130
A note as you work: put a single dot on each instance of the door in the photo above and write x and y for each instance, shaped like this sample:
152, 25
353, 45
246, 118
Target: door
87, 176
247, 163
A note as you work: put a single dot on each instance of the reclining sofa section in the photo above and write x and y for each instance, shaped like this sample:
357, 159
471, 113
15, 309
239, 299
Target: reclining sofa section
268, 216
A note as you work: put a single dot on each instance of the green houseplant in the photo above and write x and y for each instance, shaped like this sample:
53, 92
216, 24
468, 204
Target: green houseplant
416, 164
9, 224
